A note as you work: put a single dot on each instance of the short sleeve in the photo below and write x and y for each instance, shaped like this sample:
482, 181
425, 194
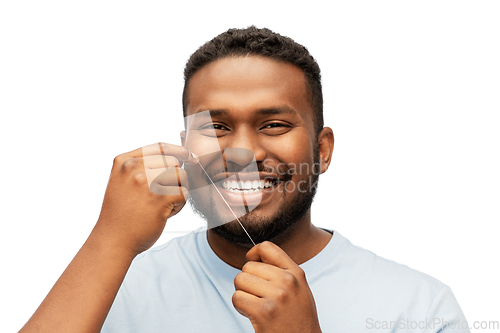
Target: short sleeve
445, 315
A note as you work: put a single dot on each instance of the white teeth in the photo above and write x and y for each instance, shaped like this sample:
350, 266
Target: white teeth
247, 186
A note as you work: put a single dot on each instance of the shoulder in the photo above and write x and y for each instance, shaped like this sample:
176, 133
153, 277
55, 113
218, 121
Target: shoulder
367, 280
378, 289
387, 275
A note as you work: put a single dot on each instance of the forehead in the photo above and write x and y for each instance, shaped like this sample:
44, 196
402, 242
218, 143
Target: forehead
248, 83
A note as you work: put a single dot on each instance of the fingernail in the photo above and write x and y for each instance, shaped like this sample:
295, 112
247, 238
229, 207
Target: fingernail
192, 158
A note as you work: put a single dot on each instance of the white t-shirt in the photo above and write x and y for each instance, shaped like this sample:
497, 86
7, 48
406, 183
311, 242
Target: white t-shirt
183, 286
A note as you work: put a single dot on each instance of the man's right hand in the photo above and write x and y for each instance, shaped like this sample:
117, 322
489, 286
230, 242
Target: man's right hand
146, 187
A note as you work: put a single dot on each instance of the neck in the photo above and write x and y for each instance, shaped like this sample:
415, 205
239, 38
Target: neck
301, 242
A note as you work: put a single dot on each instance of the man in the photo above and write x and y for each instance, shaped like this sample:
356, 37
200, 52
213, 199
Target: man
263, 94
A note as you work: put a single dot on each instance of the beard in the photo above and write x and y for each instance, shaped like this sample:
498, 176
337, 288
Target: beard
295, 205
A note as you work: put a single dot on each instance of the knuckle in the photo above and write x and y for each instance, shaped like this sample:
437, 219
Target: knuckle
266, 246
281, 295
238, 279
182, 173
301, 274
166, 212
174, 162
163, 147
236, 297
247, 266
140, 178
289, 280
269, 308
118, 160
130, 164
168, 161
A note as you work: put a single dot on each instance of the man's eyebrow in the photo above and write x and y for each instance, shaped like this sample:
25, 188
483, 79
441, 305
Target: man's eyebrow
214, 113
277, 110
261, 112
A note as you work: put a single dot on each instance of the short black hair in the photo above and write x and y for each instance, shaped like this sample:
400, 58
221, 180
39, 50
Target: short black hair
261, 42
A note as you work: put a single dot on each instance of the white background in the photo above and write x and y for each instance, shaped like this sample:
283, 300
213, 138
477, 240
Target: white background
411, 91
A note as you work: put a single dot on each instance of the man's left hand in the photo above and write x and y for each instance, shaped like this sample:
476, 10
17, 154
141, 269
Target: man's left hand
273, 293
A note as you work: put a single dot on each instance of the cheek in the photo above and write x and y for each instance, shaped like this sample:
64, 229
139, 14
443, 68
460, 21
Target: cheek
202, 145
294, 147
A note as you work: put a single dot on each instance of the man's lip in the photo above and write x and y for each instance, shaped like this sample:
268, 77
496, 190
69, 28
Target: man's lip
250, 199
244, 176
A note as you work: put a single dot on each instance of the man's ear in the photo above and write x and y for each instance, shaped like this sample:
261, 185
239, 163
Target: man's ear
183, 138
325, 143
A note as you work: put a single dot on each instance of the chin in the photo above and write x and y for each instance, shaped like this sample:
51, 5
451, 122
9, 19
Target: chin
259, 231
275, 223
275, 227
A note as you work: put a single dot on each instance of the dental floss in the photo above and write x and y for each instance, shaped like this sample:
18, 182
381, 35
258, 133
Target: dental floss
237, 219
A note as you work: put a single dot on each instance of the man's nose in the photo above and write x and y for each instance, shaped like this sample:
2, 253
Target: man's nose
243, 150
239, 156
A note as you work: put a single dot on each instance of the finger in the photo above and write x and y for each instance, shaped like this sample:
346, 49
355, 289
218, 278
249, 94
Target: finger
272, 254
245, 303
168, 177
176, 194
262, 270
177, 208
153, 149
160, 161
151, 162
253, 285
287, 279
161, 148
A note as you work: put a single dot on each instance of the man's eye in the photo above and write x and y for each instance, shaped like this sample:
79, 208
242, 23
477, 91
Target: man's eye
213, 129
274, 125
275, 128
220, 127
213, 126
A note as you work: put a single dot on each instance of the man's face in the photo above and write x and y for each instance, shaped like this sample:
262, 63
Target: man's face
262, 106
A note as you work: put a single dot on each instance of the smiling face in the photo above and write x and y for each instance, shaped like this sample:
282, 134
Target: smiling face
261, 106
